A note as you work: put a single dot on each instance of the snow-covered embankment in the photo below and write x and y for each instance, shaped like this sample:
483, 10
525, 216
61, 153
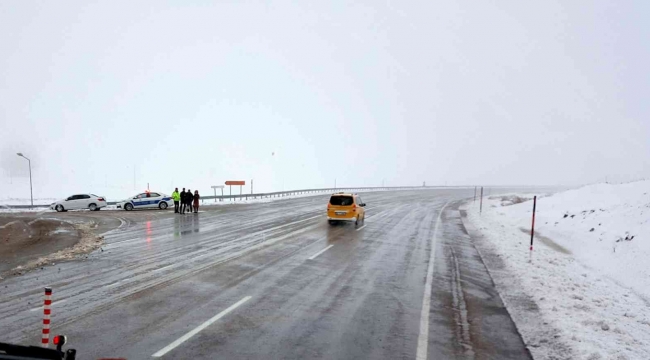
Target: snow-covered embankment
585, 291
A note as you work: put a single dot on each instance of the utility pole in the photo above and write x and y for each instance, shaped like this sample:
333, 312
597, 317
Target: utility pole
31, 193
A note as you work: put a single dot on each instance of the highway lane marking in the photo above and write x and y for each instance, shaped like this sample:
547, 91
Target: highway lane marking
205, 266
119, 243
163, 268
187, 336
423, 338
53, 303
122, 223
114, 284
320, 252
361, 227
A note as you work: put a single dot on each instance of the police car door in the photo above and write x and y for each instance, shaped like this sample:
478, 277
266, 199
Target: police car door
139, 201
154, 199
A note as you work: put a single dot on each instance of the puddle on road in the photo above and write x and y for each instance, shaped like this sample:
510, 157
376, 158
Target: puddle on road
548, 242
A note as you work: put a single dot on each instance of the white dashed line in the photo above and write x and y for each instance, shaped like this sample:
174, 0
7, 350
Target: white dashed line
53, 303
423, 338
163, 268
361, 227
320, 252
187, 336
114, 284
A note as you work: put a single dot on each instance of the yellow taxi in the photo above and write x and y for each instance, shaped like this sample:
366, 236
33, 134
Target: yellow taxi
346, 207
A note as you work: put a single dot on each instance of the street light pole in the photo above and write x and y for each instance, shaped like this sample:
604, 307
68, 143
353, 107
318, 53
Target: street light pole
31, 193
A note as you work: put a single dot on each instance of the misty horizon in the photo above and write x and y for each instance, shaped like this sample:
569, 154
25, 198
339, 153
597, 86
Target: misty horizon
106, 101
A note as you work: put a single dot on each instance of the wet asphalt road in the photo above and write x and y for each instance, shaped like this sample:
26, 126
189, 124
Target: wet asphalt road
275, 281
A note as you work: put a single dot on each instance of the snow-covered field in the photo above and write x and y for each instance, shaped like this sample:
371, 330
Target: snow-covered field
585, 291
6, 203
23, 201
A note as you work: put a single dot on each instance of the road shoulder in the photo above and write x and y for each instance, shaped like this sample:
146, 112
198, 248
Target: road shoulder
469, 312
29, 242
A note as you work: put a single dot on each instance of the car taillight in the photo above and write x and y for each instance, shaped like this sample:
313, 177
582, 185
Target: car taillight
100, 199
328, 206
354, 207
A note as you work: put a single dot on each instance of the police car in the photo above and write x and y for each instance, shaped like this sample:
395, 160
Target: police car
146, 200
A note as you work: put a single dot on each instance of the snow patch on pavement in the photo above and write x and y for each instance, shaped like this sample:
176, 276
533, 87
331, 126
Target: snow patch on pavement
584, 293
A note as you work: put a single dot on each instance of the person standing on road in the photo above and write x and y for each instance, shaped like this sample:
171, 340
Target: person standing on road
188, 200
196, 201
176, 197
182, 201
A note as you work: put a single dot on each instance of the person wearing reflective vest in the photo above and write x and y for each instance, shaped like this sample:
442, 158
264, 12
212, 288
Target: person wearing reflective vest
177, 198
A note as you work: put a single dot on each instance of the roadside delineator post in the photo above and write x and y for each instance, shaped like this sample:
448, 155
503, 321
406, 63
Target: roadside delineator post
45, 339
532, 228
481, 211
474, 193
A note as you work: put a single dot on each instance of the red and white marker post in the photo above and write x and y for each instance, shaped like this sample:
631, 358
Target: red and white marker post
45, 340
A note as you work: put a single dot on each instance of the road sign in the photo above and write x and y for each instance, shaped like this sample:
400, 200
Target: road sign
215, 187
236, 182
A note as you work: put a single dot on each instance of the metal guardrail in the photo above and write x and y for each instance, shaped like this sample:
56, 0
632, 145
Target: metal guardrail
284, 194
323, 190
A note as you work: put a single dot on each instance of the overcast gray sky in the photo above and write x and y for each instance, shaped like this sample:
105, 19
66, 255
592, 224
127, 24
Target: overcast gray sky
298, 94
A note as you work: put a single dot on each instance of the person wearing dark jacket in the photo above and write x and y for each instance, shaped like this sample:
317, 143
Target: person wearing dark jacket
188, 200
196, 201
182, 199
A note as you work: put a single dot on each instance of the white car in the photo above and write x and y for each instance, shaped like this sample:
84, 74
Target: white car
146, 200
81, 201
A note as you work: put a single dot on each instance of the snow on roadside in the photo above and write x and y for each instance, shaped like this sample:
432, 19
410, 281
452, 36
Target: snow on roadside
88, 243
586, 292
22, 201
258, 200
